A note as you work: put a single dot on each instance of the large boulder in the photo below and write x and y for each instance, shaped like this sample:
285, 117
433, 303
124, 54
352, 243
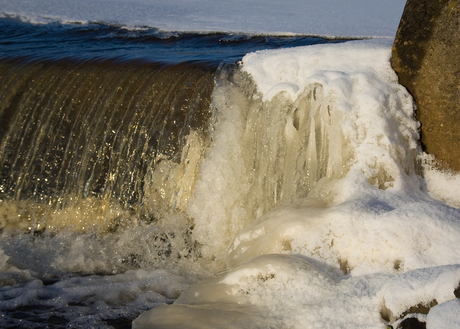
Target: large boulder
426, 57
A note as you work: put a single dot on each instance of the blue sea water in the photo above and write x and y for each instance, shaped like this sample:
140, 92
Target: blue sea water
99, 41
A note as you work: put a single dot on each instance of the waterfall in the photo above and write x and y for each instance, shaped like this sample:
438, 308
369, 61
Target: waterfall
79, 139
108, 144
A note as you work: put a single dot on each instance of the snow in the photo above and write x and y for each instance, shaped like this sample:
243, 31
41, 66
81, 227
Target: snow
444, 316
421, 286
367, 243
355, 18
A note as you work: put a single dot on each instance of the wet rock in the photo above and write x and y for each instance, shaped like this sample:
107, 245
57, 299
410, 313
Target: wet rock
425, 56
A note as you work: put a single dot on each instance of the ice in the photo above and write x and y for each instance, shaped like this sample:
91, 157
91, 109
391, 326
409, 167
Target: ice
357, 18
441, 184
421, 286
271, 291
370, 231
366, 245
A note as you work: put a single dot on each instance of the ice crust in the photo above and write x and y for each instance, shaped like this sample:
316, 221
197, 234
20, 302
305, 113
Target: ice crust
367, 244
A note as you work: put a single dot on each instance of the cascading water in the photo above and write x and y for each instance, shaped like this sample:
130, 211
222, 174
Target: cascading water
100, 157
99, 145
80, 139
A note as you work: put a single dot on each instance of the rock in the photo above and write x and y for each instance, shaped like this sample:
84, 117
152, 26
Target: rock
412, 323
420, 308
426, 57
457, 292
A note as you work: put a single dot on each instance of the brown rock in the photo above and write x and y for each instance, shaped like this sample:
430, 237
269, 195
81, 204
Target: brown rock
426, 57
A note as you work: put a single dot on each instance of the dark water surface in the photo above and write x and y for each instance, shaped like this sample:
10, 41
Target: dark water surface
56, 41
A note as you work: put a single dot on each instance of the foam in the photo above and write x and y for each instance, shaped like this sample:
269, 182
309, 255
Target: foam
93, 298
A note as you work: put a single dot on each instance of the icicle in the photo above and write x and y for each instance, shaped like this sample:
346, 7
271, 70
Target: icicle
312, 159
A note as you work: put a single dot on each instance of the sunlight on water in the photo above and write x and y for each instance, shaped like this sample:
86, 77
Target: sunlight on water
82, 142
